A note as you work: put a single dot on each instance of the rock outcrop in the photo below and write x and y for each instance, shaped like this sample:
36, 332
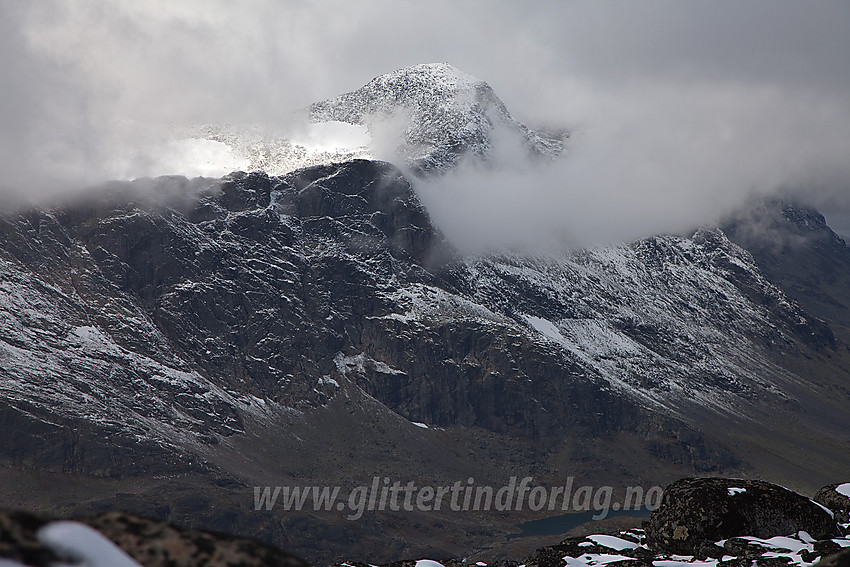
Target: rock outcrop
836, 497
840, 559
699, 511
148, 542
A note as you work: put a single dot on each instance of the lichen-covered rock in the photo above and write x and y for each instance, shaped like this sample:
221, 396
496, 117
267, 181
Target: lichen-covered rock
18, 541
835, 497
695, 510
157, 544
150, 543
553, 555
840, 559
630, 549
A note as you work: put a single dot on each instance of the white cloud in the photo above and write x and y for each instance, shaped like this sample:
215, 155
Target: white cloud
655, 158
332, 136
679, 109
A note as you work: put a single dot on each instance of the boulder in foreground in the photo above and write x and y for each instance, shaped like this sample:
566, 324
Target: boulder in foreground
694, 511
148, 542
836, 497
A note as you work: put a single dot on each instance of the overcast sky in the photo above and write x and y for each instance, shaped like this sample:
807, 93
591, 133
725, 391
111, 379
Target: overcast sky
679, 109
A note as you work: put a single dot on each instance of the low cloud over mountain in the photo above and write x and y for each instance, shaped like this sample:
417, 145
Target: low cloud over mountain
677, 113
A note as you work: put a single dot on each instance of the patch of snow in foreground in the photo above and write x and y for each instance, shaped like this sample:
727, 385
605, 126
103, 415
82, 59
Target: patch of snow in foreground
734, 491
684, 561
420, 424
85, 544
782, 547
612, 542
788, 548
592, 559
781, 542
843, 489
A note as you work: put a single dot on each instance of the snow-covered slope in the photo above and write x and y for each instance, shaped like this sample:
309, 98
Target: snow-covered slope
668, 321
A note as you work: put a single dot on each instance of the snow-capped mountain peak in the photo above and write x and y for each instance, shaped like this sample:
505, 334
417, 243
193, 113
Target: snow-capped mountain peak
427, 117
437, 115
419, 87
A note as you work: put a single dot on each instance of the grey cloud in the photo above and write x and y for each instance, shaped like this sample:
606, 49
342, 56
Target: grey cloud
680, 110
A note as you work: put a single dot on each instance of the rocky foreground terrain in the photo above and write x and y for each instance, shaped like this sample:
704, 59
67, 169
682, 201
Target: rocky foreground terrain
701, 522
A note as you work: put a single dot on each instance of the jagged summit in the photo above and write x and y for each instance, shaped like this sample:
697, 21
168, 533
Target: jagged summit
440, 114
427, 117
420, 87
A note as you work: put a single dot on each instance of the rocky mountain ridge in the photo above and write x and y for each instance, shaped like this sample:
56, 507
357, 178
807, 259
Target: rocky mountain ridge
146, 336
170, 294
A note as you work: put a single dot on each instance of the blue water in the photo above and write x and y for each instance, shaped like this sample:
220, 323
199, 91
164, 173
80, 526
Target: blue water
557, 525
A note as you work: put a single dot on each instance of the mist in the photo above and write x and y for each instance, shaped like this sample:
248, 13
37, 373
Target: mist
678, 113
672, 160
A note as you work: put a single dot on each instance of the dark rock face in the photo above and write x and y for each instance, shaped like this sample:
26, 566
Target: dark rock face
162, 308
839, 503
175, 306
795, 248
698, 510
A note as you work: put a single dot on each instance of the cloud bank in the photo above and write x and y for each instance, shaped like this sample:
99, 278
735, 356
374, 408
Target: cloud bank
670, 160
679, 111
